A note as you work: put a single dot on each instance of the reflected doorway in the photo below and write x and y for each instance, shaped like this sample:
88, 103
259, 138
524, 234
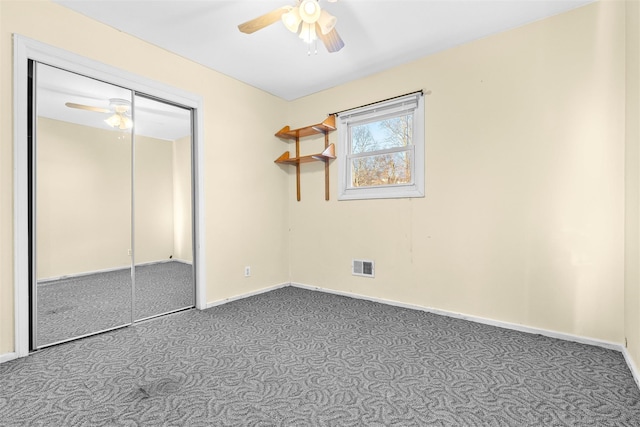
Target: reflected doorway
111, 207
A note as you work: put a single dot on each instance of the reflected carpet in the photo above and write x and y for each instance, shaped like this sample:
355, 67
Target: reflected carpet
80, 305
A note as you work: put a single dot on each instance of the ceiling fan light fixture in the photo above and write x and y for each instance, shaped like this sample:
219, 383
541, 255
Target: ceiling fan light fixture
125, 122
120, 105
120, 121
292, 20
308, 32
309, 11
113, 121
306, 18
326, 22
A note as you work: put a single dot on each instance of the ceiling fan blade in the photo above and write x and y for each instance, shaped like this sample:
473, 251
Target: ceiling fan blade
331, 40
87, 107
263, 21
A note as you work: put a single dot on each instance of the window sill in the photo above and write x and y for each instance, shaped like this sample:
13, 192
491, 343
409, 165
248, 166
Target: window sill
382, 193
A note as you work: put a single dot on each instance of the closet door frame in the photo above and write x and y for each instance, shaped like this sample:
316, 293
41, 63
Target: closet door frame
26, 49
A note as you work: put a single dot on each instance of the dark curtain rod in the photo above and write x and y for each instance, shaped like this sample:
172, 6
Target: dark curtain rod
377, 102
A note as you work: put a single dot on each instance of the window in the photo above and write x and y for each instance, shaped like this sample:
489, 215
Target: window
381, 149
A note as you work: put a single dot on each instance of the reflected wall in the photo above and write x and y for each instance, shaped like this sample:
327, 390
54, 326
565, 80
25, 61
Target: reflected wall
83, 199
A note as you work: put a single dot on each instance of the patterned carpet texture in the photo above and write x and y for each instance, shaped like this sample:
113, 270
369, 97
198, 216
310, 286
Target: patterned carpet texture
76, 306
294, 357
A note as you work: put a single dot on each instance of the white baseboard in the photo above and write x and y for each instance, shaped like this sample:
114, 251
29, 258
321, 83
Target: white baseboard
44, 280
247, 295
109, 270
506, 325
183, 261
7, 357
632, 366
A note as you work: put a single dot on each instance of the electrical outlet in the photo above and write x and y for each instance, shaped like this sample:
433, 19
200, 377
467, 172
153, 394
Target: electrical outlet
247, 271
129, 252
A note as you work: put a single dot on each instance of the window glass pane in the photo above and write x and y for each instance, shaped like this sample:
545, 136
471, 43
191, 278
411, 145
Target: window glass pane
382, 134
381, 169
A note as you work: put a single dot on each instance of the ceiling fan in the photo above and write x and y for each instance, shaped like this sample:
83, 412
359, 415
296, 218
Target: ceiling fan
306, 19
119, 107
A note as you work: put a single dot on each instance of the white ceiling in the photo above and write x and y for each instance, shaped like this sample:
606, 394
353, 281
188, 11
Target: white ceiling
56, 87
378, 34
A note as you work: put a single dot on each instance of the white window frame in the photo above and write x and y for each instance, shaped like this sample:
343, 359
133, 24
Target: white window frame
412, 103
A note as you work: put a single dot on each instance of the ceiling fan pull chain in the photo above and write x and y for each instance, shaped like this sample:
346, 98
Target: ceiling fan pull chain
315, 48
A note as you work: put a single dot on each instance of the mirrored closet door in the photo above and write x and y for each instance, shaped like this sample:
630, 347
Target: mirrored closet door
162, 253
81, 169
111, 207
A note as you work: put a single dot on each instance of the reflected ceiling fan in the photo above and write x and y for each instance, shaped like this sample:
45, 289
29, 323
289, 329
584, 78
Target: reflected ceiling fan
306, 18
121, 109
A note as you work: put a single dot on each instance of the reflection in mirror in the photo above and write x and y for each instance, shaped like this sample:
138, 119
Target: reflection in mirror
162, 209
81, 207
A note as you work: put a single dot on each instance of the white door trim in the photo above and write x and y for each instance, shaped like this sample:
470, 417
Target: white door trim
25, 49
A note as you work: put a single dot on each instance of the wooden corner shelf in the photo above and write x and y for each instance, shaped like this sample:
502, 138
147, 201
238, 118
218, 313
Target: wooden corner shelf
329, 153
328, 125
325, 156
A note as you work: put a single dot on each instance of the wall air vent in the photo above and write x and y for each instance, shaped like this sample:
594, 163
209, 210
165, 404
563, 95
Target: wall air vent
361, 267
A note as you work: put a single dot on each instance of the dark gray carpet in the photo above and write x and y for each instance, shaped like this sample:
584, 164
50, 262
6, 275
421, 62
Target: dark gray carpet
294, 357
77, 306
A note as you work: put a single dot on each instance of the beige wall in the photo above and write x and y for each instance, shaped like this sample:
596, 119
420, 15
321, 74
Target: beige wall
632, 182
83, 199
523, 219
244, 194
154, 201
182, 244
